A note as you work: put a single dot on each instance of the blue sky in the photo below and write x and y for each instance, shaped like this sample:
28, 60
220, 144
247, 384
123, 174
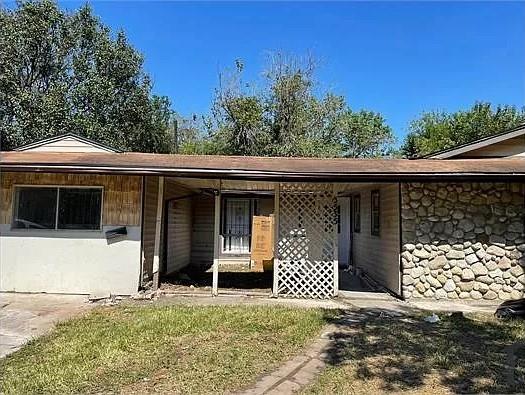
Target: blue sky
397, 58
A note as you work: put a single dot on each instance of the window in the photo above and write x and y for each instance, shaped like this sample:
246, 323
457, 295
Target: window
375, 217
35, 208
79, 208
356, 201
57, 208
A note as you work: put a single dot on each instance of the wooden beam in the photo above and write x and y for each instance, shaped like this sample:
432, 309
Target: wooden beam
158, 229
336, 252
216, 244
276, 241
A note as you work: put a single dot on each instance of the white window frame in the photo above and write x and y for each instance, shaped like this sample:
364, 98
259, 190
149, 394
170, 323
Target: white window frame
58, 187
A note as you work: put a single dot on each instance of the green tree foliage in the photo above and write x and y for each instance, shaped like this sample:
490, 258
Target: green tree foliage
63, 73
287, 117
435, 131
364, 134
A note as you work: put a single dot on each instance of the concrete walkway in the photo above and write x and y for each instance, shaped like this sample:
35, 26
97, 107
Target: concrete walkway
303, 369
297, 372
25, 316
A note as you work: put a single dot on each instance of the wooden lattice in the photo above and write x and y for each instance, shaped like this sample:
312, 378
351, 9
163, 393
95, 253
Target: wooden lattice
307, 241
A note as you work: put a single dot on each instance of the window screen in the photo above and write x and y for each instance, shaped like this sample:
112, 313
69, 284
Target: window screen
79, 208
35, 208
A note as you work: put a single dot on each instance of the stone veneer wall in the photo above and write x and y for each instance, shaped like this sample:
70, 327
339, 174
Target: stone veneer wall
463, 240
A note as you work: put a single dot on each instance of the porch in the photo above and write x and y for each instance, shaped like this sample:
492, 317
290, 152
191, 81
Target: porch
197, 237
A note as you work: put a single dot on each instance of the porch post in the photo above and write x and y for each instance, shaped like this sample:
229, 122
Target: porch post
216, 244
336, 252
275, 289
158, 228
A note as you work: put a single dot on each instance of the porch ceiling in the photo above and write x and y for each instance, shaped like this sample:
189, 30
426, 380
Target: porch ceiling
258, 168
237, 185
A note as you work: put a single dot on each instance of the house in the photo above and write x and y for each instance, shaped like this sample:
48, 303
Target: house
85, 221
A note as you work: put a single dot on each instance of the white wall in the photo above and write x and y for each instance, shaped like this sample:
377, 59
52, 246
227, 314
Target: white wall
80, 262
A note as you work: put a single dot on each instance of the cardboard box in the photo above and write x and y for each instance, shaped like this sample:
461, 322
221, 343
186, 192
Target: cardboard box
262, 243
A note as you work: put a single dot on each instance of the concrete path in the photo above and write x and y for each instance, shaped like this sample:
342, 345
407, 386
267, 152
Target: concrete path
244, 300
25, 316
303, 369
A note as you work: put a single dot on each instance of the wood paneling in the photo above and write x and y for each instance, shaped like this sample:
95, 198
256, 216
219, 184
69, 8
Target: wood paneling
379, 255
151, 185
179, 221
202, 231
122, 194
507, 148
67, 144
179, 217
174, 250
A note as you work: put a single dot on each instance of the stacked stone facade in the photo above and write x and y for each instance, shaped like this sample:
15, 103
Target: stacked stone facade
463, 240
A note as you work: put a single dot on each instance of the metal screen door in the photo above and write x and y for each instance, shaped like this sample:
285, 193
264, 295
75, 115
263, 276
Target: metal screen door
307, 241
236, 229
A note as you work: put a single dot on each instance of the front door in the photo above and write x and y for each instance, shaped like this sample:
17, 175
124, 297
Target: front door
237, 225
343, 230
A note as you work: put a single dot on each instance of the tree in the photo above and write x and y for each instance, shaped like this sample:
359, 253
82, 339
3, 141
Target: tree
287, 117
63, 73
364, 134
237, 124
435, 131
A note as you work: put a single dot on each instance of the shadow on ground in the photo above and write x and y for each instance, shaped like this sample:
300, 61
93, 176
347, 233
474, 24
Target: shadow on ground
234, 280
390, 351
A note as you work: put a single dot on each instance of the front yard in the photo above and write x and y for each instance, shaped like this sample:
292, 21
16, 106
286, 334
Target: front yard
459, 354
178, 349
203, 349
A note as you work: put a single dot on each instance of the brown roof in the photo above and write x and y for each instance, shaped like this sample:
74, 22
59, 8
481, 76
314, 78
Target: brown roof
260, 167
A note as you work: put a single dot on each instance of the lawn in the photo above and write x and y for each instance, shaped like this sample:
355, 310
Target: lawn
177, 349
405, 354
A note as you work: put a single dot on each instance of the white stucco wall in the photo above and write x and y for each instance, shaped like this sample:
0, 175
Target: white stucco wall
79, 262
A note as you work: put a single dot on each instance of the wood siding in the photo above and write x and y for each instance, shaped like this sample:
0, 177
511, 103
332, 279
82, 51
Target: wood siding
67, 144
507, 148
379, 255
176, 243
121, 201
202, 230
178, 225
151, 187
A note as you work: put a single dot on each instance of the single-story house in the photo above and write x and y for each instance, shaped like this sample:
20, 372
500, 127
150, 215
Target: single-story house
79, 217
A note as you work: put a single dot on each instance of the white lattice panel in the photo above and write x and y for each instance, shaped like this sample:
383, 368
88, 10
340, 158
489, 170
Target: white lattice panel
307, 241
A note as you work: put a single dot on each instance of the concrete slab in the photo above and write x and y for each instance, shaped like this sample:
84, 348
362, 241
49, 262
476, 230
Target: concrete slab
465, 306
25, 316
241, 300
387, 302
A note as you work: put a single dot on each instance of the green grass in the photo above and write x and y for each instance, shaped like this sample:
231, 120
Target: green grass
405, 354
178, 349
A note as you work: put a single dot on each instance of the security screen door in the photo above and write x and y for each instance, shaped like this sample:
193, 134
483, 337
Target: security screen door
237, 225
